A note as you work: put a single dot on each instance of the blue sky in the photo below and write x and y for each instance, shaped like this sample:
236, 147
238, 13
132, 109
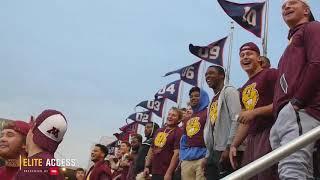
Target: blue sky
95, 60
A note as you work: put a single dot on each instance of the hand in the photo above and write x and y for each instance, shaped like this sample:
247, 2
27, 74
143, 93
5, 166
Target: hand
146, 172
204, 162
224, 156
296, 108
168, 176
233, 157
246, 116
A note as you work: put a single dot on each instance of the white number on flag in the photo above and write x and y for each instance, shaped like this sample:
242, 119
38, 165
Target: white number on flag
150, 104
171, 89
250, 16
156, 106
212, 53
188, 72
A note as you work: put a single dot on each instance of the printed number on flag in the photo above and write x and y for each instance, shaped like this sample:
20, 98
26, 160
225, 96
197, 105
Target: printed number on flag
188, 72
209, 53
250, 16
142, 117
168, 89
155, 105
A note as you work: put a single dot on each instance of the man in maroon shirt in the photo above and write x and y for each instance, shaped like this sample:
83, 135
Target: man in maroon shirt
12, 146
100, 170
163, 155
42, 141
256, 119
297, 91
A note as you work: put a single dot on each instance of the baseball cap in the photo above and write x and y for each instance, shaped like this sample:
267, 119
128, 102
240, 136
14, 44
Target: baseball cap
250, 46
18, 126
49, 129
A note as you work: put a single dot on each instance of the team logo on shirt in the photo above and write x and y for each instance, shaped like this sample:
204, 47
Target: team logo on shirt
250, 96
213, 111
193, 126
160, 139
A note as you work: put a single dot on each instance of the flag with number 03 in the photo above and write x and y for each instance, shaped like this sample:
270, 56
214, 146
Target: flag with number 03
156, 106
212, 53
170, 91
188, 74
248, 15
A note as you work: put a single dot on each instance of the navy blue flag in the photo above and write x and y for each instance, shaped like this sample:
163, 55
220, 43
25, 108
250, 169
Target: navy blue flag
188, 74
170, 91
212, 53
156, 106
112, 146
141, 117
248, 15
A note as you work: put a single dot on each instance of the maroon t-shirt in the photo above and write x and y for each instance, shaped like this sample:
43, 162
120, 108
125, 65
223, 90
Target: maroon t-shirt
163, 148
258, 92
39, 172
8, 173
299, 69
193, 128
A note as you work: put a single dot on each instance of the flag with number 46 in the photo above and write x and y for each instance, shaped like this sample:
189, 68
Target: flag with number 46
188, 74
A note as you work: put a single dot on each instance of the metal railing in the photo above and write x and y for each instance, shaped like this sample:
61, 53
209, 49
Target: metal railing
275, 156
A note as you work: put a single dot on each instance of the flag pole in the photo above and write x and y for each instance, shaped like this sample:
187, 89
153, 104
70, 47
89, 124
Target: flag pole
164, 112
203, 72
266, 29
180, 94
230, 53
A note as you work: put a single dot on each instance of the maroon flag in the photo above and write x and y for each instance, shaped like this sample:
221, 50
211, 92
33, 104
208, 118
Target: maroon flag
188, 74
130, 128
212, 53
123, 136
247, 15
170, 91
156, 106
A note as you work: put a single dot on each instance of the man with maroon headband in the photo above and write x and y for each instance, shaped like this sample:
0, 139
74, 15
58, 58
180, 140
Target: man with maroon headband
297, 91
256, 119
12, 146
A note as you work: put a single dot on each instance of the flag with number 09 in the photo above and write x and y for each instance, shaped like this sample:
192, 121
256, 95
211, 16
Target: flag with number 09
188, 74
212, 53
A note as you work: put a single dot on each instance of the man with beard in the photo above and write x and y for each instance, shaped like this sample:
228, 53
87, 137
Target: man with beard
136, 140
192, 146
163, 155
256, 118
42, 142
100, 170
221, 124
12, 146
149, 130
297, 91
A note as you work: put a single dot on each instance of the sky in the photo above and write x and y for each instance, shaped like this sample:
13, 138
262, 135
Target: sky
94, 60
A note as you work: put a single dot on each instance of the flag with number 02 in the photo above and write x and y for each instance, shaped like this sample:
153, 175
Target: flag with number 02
156, 106
188, 74
141, 117
212, 53
248, 15
170, 91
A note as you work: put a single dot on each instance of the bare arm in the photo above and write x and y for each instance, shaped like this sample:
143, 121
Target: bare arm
174, 162
249, 115
241, 135
149, 157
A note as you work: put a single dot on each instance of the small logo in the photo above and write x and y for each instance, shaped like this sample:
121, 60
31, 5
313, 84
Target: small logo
54, 131
54, 171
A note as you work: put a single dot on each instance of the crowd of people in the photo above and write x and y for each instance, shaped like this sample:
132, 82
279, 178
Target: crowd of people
212, 137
